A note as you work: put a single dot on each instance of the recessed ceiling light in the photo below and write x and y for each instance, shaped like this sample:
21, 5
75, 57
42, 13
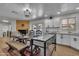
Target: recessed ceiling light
58, 12
34, 16
77, 8
5, 21
24, 9
45, 15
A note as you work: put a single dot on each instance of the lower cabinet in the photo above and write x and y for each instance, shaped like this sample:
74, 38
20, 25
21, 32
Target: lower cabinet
58, 38
69, 40
65, 39
75, 42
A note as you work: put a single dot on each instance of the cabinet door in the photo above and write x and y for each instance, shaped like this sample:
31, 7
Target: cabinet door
56, 22
66, 40
58, 38
75, 42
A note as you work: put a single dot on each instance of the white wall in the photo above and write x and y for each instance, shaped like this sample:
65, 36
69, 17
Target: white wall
69, 39
55, 22
13, 25
4, 28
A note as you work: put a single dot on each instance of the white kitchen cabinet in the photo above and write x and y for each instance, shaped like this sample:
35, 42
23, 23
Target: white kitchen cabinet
75, 42
58, 38
63, 39
56, 22
66, 40
69, 40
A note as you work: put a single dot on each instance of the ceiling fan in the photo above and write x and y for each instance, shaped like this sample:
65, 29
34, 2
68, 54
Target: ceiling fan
27, 13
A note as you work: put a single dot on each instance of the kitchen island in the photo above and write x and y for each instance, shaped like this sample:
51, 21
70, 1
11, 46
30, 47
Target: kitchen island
43, 42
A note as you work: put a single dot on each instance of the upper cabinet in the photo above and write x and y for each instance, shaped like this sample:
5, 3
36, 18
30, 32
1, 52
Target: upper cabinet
52, 25
55, 22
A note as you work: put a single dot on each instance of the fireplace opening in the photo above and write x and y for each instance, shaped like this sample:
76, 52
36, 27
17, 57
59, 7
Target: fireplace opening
23, 32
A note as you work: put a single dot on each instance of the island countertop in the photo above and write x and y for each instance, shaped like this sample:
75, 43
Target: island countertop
44, 37
66, 33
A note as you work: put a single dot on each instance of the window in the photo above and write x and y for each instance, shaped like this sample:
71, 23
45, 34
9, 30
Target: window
69, 23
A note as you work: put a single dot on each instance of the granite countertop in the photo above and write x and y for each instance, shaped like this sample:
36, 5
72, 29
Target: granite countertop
66, 33
44, 37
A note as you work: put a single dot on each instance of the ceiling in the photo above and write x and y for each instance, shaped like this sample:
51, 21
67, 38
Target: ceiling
15, 11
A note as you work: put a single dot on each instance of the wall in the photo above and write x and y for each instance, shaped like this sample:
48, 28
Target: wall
69, 39
4, 28
13, 25
56, 22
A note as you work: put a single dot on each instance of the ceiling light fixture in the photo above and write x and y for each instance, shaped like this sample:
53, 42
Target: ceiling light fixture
45, 15
27, 12
24, 9
77, 8
58, 12
34, 16
5, 21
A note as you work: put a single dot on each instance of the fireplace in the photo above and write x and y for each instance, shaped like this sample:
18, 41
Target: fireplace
24, 32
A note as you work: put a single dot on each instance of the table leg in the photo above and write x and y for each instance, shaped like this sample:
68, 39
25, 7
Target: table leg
55, 42
10, 49
55, 47
44, 48
13, 38
31, 47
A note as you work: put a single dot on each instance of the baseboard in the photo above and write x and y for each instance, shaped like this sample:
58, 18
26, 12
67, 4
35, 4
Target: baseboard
68, 47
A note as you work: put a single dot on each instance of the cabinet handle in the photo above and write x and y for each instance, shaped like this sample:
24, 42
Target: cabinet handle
75, 39
61, 36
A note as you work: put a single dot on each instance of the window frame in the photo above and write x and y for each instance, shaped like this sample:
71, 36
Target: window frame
68, 24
